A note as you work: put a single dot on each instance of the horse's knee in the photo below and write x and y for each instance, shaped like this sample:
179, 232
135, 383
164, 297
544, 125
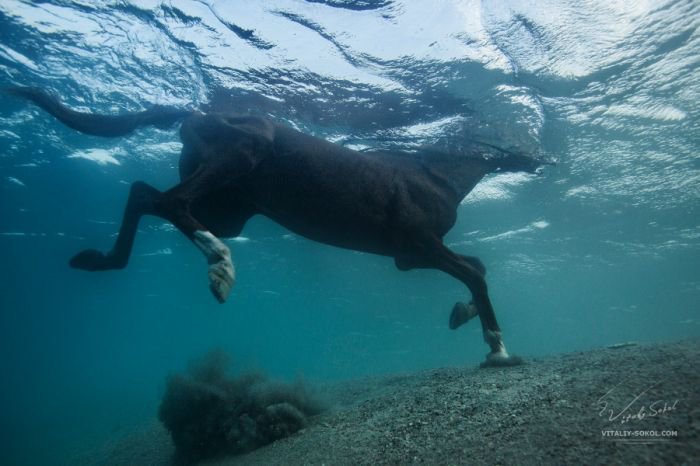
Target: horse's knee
140, 187
476, 263
143, 193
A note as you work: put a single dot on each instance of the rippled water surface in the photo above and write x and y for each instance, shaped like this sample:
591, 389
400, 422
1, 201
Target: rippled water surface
601, 248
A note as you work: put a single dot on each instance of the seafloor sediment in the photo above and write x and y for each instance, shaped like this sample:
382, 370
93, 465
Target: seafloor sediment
636, 404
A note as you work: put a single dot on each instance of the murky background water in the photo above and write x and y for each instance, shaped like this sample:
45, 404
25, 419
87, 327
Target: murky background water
602, 248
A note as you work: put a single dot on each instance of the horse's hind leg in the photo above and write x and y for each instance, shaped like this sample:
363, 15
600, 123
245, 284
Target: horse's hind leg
174, 206
464, 312
474, 262
461, 312
469, 271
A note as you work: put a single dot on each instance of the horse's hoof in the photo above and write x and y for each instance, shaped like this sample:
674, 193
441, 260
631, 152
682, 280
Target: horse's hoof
461, 314
221, 279
500, 359
91, 260
221, 272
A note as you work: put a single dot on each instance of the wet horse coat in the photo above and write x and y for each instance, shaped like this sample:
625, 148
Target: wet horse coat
233, 167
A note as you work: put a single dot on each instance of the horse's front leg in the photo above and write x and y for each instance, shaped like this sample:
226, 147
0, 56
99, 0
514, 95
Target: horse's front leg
142, 201
174, 206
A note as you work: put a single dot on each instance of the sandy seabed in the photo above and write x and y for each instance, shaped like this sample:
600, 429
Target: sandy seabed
628, 405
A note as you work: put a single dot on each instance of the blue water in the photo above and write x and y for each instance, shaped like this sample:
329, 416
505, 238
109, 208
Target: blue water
602, 248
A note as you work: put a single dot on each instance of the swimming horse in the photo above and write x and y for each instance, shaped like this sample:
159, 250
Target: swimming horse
233, 167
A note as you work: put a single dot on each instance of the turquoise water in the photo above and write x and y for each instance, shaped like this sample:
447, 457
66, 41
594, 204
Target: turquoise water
602, 248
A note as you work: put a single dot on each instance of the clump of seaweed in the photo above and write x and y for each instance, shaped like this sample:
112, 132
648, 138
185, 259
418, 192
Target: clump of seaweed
211, 413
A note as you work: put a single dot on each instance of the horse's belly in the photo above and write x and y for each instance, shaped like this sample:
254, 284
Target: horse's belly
348, 200
342, 226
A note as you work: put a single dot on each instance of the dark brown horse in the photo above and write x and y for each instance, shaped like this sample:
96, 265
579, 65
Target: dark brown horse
233, 167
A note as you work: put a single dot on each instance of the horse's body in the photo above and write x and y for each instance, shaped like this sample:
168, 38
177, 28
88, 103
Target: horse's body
233, 167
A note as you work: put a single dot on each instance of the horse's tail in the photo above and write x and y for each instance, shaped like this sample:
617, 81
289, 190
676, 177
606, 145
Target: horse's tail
100, 125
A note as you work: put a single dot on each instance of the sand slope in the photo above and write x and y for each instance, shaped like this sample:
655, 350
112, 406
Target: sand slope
549, 411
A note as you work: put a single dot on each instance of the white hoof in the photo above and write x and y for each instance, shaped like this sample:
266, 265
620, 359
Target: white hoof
498, 357
501, 359
221, 279
222, 275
